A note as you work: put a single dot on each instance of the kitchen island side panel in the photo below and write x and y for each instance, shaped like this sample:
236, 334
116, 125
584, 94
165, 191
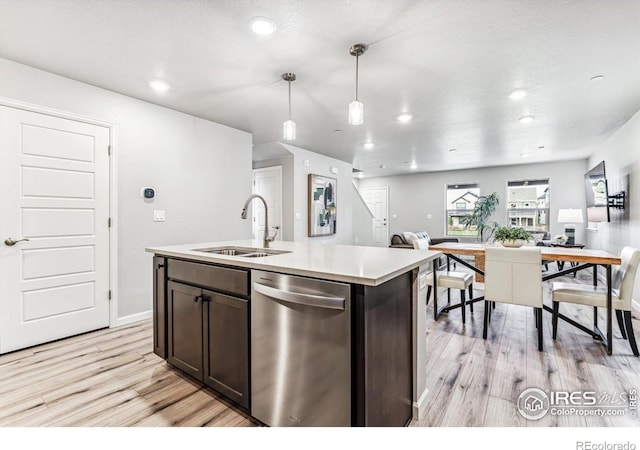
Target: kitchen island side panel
383, 352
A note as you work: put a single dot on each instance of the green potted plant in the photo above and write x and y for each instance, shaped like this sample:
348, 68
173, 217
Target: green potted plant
479, 216
511, 236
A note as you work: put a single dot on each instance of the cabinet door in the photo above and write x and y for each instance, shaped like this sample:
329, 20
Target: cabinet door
185, 328
226, 346
159, 307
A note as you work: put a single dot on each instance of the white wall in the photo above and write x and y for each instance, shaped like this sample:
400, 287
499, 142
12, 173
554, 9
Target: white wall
321, 165
287, 191
190, 161
621, 154
413, 197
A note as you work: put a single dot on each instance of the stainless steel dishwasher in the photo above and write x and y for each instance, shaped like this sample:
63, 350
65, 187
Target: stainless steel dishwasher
300, 351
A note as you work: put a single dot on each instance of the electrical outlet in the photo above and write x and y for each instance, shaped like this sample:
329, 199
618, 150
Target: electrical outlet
394, 216
429, 216
297, 216
158, 215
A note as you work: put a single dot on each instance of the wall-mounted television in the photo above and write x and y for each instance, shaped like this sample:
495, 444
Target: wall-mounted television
597, 194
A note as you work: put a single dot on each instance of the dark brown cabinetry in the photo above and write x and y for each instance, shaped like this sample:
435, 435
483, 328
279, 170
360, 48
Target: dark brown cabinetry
226, 346
201, 326
208, 331
159, 306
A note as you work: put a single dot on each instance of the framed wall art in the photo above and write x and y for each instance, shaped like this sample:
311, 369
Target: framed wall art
323, 205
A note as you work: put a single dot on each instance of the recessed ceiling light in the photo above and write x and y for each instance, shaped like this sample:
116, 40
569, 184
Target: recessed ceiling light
453, 149
337, 131
541, 147
382, 166
597, 78
518, 94
369, 145
526, 119
405, 117
413, 166
159, 85
525, 155
262, 26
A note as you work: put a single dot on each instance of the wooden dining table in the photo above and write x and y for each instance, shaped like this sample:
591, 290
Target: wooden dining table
583, 259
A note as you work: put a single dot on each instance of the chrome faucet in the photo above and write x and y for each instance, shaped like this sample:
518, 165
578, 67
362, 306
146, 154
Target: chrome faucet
267, 238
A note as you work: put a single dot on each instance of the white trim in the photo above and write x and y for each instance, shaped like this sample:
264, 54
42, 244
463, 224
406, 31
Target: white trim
126, 320
420, 406
635, 307
113, 189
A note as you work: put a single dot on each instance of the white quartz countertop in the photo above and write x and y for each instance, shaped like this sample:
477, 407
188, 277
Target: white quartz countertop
370, 266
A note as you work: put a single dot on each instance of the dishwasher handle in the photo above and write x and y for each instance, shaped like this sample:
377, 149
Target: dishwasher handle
319, 301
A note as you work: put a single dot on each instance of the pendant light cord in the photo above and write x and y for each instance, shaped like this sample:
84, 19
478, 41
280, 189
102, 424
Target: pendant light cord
289, 100
357, 58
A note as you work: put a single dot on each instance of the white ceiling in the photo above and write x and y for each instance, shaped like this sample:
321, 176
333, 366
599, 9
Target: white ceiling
451, 63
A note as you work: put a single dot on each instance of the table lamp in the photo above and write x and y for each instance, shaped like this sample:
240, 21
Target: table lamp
570, 217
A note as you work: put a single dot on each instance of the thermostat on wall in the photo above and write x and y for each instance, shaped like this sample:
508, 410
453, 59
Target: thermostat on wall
148, 193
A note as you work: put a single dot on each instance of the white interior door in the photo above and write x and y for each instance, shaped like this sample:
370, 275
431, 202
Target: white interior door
378, 202
267, 182
54, 180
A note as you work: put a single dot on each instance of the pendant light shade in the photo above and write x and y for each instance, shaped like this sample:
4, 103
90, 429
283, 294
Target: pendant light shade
356, 108
289, 127
289, 131
356, 113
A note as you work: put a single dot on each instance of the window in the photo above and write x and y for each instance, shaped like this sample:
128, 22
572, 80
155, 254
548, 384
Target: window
461, 198
528, 205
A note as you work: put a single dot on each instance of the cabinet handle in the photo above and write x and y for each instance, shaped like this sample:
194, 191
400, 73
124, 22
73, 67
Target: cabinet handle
196, 298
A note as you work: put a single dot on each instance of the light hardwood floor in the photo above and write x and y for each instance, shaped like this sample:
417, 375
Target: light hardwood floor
473, 382
112, 378
109, 377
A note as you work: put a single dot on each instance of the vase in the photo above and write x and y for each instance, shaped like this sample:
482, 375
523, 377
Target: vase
513, 243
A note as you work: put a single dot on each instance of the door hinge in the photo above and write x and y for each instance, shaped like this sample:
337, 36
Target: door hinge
109, 150
109, 222
109, 294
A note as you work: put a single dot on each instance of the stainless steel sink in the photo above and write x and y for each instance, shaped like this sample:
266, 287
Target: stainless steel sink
245, 252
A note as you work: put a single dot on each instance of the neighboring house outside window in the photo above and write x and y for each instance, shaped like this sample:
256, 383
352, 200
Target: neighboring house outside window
528, 205
460, 200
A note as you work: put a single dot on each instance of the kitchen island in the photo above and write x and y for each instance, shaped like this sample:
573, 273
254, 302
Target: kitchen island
299, 334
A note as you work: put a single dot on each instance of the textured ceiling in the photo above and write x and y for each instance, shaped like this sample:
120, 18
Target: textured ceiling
449, 63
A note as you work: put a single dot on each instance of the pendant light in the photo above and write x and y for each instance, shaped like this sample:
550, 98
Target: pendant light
289, 127
356, 109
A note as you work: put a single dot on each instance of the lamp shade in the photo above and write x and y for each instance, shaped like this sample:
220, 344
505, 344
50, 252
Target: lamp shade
570, 216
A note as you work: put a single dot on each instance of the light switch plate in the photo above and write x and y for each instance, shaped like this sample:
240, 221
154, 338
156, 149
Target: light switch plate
158, 215
429, 216
297, 216
305, 163
394, 216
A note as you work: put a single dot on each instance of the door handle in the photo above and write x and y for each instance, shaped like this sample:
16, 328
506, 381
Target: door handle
10, 242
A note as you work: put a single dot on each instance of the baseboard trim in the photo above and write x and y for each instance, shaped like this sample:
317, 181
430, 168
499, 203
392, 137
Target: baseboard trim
132, 318
420, 406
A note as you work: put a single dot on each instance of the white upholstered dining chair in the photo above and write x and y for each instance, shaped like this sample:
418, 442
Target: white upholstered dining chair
622, 281
512, 275
449, 279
